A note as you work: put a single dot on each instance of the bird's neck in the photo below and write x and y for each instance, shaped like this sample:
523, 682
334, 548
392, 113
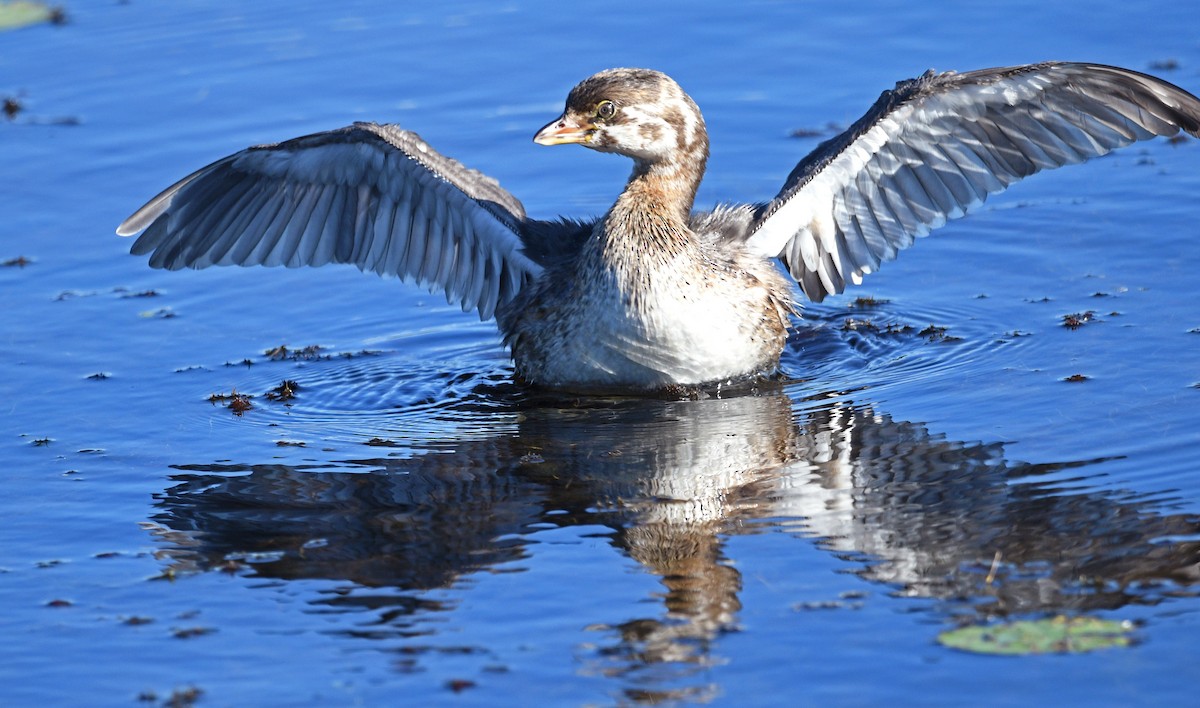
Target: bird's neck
645, 238
671, 185
653, 212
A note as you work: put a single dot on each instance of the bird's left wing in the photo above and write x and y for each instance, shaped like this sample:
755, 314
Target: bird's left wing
374, 196
936, 146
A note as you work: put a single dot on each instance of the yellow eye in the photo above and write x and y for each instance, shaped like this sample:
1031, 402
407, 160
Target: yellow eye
605, 110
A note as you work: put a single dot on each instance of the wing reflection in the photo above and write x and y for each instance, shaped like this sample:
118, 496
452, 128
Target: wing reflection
927, 516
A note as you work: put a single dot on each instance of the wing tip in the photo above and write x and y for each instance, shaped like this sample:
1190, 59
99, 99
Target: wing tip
141, 219
130, 227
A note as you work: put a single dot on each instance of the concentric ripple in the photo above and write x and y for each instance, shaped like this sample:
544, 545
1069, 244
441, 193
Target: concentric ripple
869, 343
388, 399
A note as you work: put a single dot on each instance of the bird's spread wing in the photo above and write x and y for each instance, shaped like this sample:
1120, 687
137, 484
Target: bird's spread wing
371, 195
936, 146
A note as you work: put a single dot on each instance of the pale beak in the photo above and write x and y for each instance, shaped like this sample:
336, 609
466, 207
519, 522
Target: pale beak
562, 131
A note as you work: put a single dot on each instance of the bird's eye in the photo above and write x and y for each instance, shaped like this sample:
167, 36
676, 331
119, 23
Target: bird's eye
605, 110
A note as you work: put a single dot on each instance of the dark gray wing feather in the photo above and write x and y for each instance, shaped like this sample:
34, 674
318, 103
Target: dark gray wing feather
374, 196
935, 147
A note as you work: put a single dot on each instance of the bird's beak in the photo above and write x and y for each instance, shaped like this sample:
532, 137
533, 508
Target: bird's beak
564, 130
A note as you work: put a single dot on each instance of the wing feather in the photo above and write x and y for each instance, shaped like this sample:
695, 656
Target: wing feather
383, 237
398, 241
313, 227
293, 234
870, 203
257, 209
935, 147
374, 196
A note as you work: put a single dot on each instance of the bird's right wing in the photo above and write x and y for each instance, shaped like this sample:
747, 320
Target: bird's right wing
936, 146
374, 196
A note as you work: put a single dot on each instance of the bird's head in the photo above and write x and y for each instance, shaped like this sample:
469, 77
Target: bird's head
640, 113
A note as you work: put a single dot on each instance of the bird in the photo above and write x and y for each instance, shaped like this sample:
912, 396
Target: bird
653, 296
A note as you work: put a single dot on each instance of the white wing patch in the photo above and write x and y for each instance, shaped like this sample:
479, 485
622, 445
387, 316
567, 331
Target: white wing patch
936, 147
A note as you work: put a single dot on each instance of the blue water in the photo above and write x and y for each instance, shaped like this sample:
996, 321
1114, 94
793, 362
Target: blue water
414, 529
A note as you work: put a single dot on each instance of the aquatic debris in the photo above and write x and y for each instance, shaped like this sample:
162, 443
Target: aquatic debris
866, 301
137, 620
459, 685
190, 632
1076, 378
19, 261
12, 106
381, 442
312, 352
179, 698
1055, 635
936, 333
282, 353
23, 13
285, 391
239, 403
125, 294
1076, 320
852, 325
290, 443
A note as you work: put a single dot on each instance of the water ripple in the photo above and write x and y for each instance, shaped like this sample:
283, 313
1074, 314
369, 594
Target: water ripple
856, 345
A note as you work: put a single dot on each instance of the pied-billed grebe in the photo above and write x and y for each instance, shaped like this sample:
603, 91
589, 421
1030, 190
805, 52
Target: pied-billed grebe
653, 295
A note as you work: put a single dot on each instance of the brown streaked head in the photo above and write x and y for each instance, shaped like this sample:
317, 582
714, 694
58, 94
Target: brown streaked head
640, 113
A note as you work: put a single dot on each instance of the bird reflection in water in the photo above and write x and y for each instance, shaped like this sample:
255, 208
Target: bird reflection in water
927, 517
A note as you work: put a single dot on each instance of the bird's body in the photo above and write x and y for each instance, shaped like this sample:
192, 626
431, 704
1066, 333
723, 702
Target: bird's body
653, 295
685, 312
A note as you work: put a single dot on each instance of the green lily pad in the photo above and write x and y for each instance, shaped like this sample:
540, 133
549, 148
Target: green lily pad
22, 13
1056, 635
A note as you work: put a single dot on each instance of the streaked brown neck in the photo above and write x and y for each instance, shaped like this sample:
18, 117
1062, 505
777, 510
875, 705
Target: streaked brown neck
650, 218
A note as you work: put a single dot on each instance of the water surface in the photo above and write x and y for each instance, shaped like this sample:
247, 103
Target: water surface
413, 528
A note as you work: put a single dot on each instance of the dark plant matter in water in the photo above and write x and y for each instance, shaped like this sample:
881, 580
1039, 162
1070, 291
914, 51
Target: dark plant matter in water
652, 295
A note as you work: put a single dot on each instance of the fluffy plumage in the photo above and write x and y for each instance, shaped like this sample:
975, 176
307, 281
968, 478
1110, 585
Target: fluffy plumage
653, 295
